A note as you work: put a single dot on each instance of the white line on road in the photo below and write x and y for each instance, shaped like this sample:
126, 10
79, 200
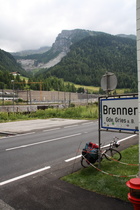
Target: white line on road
42, 142
24, 175
73, 158
70, 126
53, 129
124, 139
87, 123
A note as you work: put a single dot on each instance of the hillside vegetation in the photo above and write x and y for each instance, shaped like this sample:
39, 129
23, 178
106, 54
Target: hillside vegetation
88, 55
8, 63
92, 56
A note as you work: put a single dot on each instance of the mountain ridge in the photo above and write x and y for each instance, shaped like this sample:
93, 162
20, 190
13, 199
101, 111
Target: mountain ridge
92, 56
59, 49
31, 51
82, 57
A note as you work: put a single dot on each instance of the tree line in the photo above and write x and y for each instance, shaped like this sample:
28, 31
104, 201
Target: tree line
7, 80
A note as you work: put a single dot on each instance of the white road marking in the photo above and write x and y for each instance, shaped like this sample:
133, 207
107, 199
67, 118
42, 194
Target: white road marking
53, 129
42, 142
70, 126
73, 158
124, 139
24, 175
87, 123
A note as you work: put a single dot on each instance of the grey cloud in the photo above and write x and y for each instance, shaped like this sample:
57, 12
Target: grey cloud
29, 24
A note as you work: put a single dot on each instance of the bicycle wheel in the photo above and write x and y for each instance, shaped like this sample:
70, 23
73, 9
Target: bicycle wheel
84, 162
111, 154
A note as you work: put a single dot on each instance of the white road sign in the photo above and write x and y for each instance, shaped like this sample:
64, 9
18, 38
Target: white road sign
119, 113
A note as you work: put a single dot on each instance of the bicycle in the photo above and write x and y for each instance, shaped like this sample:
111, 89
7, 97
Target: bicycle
110, 154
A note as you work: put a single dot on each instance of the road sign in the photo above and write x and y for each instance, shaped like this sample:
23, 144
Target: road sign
108, 81
119, 113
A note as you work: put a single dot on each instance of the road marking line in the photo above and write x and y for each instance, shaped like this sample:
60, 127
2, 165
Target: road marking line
73, 158
53, 129
87, 123
70, 126
24, 175
42, 142
124, 139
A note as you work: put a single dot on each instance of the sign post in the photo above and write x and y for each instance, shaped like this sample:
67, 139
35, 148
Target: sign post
108, 82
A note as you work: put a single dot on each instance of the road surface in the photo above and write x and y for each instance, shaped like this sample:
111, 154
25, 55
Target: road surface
30, 153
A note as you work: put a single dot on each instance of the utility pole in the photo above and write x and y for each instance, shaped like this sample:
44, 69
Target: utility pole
13, 94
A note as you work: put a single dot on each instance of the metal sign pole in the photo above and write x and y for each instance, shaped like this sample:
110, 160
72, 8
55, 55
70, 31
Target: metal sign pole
99, 132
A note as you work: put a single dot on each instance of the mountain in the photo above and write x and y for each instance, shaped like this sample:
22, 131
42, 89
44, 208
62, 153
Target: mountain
9, 63
59, 49
88, 59
39, 59
83, 56
131, 36
30, 52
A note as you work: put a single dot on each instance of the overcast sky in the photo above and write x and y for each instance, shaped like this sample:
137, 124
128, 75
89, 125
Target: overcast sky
31, 24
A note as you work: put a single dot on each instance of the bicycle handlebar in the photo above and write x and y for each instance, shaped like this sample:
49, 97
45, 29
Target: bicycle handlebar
114, 143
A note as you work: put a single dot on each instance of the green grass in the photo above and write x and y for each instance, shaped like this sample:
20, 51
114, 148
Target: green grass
89, 88
81, 112
93, 89
22, 77
94, 180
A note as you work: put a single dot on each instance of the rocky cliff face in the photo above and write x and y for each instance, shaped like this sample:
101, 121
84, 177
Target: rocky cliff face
62, 42
67, 37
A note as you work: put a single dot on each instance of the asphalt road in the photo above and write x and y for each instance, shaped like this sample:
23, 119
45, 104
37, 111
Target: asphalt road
46, 150
25, 153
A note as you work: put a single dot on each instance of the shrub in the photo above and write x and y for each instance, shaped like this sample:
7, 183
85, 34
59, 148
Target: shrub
4, 116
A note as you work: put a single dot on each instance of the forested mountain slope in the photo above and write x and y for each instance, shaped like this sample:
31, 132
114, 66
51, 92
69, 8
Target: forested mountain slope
8, 63
59, 49
92, 56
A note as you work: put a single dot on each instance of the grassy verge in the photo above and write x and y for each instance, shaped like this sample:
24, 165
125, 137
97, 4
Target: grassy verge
81, 112
93, 89
93, 180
